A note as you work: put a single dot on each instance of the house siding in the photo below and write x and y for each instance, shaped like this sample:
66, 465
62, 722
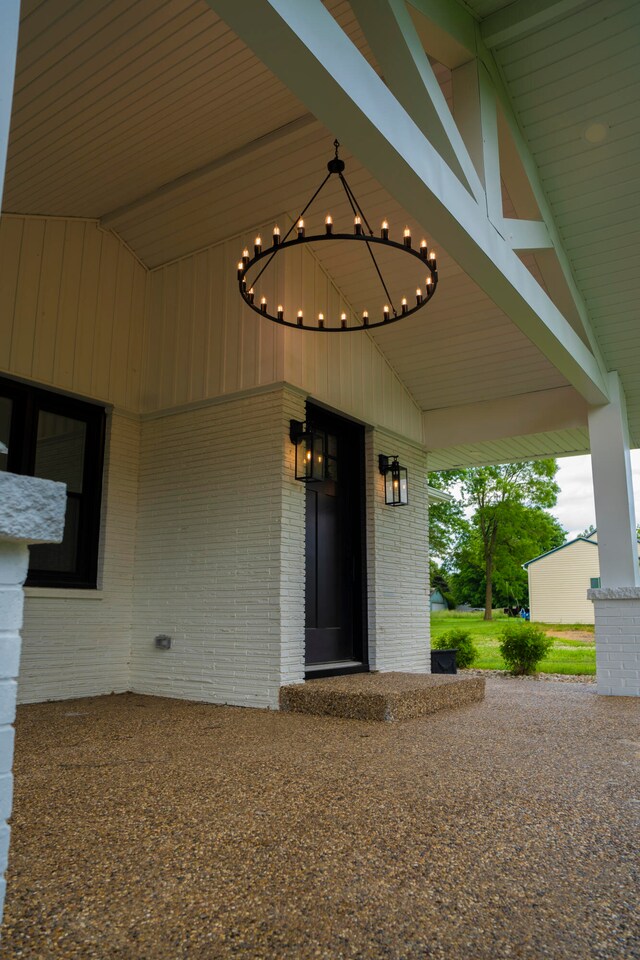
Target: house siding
349, 373
558, 584
200, 340
72, 302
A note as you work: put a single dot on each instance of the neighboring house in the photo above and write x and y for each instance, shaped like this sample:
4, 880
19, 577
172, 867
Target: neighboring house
438, 602
559, 580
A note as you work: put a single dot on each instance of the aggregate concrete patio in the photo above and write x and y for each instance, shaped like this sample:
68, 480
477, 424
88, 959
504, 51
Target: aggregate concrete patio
381, 696
151, 828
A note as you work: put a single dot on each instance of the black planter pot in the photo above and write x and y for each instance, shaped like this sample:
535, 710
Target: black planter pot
443, 661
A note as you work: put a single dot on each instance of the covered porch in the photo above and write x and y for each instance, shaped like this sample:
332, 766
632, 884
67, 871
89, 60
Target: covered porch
147, 145
125, 212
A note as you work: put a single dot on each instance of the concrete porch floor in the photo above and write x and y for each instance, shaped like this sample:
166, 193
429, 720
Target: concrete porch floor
150, 828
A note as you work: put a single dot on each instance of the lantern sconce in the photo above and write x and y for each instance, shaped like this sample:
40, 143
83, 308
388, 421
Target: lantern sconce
310, 458
396, 486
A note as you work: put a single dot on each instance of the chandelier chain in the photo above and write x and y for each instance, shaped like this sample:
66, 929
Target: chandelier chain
289, 231
351, 197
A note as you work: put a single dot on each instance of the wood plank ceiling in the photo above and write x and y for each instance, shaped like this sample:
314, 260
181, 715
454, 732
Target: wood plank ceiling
564, 79
115, 99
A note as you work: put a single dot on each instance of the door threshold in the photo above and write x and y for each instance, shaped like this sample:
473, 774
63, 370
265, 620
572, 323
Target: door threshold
334, 668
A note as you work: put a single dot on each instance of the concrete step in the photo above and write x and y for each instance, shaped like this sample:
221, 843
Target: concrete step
381, 696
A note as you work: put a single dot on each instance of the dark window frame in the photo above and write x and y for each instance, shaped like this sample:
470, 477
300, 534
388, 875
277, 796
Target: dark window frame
27, 401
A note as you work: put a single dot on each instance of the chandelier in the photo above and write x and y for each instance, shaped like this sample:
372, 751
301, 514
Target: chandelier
362, 233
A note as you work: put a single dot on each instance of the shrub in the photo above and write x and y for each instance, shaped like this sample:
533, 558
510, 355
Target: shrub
523, 646
457, 639
450, 601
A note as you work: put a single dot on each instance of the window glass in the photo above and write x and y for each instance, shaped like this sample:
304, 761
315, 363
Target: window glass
5, 428
60, 450
332, 457
60, 438
62, 557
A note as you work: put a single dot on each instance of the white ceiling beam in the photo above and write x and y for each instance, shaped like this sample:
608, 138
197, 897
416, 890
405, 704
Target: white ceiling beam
255, 147
526, 234
304, 46
522, 17
405, 66
543, 411
490, 148
466, 112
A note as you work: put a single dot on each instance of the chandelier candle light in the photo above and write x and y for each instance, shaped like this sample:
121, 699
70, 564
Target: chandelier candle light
361, 233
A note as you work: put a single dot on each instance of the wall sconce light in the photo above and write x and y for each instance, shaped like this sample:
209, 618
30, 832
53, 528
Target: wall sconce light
310, 457
396, 487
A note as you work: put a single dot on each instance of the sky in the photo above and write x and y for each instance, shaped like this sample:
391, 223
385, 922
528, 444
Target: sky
575, 508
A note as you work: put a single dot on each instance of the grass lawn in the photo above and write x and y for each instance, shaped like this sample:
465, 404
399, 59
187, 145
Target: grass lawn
566, 656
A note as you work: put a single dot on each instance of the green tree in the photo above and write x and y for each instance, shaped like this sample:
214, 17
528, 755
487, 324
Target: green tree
495, 494
528, 532
588, 531
447, 522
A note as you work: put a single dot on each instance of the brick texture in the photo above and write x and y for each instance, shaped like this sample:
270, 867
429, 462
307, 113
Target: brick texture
398, 561
219, 553
77, 643
618, 647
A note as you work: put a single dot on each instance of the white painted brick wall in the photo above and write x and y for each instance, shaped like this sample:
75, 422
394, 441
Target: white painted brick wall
293, 551
77, 643
219, 536
203, 539
618, 644
398, 562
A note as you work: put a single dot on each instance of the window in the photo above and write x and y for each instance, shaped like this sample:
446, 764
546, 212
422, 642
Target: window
595, 583
44, 434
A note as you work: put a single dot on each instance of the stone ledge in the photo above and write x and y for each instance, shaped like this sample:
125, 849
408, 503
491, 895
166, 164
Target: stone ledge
31, 510
614, 593
381, 696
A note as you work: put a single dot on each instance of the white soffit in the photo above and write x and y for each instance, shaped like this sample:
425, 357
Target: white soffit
557, 443
116, 98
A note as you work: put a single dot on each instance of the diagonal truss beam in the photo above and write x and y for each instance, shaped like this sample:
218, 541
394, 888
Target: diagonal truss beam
304, 46
460, 41
393, 37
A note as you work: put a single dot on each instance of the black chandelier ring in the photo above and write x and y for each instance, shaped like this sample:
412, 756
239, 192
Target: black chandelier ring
261, 307
389, 312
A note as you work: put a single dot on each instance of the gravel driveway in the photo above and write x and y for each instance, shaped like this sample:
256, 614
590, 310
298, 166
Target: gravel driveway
151, 828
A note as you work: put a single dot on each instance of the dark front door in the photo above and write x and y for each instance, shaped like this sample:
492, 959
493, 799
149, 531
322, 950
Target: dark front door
334, 547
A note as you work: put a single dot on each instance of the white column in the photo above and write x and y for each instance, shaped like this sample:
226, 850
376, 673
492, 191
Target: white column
613, 491
31, 511
617, 602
